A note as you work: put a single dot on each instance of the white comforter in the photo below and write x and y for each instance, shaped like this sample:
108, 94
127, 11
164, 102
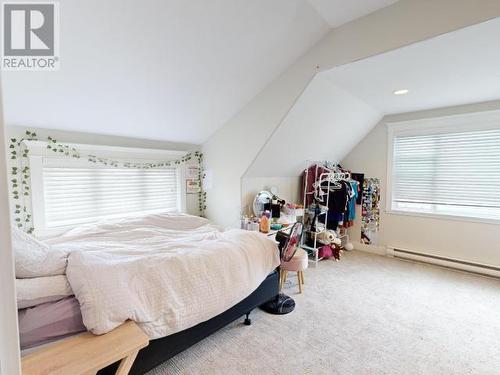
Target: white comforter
166, 272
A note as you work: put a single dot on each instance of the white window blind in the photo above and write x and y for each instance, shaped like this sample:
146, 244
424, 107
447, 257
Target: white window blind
452, 173
83, 194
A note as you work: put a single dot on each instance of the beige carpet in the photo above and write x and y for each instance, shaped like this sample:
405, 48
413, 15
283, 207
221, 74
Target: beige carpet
366, 314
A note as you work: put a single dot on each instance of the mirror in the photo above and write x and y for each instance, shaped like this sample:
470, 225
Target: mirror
261, 199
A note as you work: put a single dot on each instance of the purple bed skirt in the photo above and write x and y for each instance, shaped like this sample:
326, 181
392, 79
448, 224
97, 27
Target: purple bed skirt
49, 321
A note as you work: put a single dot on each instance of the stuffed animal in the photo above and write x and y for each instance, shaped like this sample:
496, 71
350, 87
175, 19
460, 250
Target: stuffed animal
336, 251
327, 237
325, 252
329, 251
332, 245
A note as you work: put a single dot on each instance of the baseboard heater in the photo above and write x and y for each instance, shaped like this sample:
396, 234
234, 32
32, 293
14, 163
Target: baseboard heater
444, 261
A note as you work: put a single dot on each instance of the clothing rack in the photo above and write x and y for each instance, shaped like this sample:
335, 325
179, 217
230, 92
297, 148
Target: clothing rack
331, 173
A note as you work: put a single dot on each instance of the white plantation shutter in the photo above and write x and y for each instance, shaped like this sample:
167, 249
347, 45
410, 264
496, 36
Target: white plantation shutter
83, 194
453, 173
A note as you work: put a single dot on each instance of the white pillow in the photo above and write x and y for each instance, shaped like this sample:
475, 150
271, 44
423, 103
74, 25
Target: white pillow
34, 258
32, 292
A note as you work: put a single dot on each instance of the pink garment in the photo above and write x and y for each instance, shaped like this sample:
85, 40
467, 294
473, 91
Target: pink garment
49, 322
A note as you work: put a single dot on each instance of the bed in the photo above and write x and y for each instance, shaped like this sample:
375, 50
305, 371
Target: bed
160, 350
177, 276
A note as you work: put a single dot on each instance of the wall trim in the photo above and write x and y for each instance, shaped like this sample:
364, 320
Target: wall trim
424, 257
453, 263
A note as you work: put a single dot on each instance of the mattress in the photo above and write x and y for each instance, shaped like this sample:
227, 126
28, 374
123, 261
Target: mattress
35, 291
49, 322
166, 272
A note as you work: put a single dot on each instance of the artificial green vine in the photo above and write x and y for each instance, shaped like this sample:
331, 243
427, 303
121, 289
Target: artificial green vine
20, 173
202, 195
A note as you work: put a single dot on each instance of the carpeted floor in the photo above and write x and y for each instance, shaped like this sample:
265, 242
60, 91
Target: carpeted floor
366, 314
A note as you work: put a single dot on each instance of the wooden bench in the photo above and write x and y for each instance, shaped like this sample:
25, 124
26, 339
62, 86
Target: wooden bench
86, 354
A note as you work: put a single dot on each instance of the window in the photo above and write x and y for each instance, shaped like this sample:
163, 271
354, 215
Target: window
70, 191
449, 167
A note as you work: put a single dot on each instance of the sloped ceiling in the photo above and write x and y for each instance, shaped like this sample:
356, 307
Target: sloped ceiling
340, 106
453, 69
171, 70
339, 12
324, 124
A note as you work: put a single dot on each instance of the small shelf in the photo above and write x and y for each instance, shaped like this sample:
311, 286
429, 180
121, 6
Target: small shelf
310, 231
305, 247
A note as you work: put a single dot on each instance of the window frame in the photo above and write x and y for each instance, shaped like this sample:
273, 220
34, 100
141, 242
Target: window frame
38, 153
472, 121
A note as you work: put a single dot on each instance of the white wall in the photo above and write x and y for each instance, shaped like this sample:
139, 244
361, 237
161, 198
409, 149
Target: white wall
230, 151
9, 340
469, 241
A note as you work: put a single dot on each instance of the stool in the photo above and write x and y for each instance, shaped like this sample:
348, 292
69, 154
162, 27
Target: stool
298, 264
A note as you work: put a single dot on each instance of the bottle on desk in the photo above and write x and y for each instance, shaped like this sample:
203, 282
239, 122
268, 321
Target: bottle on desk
245, 222
265, 222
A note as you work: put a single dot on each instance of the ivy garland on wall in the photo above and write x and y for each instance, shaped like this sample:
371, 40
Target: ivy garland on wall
20, 173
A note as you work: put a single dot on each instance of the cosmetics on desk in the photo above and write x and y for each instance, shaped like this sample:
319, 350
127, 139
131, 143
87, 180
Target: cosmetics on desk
265, 222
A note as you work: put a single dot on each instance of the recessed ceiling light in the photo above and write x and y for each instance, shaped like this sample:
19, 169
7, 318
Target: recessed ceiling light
401, 92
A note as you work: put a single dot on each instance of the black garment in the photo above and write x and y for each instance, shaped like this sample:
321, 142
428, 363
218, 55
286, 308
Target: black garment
337, 204
360, 177
333, 221
338, 198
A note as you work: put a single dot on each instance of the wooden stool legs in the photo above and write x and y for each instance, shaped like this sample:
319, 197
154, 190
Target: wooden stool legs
300, 279
282, 278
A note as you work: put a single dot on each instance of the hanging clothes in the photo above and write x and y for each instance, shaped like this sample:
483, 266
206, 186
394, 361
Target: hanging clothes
359, 177
353, 199
337, 204
351, 204
308, 180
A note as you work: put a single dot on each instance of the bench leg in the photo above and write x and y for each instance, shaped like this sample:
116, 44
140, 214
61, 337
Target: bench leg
126, 363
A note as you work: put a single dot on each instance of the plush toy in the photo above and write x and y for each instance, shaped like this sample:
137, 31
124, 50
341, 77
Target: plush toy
332, 245
328, 237
325, 252
329, 251
336, 252
349, 246
325, 237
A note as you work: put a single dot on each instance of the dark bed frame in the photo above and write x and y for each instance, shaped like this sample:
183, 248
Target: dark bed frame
160, 350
